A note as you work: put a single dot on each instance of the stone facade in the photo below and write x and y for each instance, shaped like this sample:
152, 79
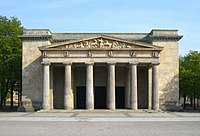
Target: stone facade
131, 70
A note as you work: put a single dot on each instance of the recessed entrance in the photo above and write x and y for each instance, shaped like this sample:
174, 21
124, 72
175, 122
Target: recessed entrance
142, 84
100, 97
80, 97
120, 97
58, 87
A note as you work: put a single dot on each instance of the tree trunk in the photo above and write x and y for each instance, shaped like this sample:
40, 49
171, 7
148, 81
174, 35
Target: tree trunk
184, 101
20, 93
2, 93
194, 102
6, 92
191, 102
4, 102
1, 106
11, 95
18, 98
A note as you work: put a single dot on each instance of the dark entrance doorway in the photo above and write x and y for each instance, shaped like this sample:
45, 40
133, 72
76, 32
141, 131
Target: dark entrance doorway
80, 97
120, 97
100, 97
58, 87
142, 84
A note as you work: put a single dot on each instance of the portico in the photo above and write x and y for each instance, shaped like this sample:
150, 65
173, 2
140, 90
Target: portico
128, 58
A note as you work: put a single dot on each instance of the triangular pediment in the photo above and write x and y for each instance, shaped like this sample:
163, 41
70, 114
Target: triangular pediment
100, 42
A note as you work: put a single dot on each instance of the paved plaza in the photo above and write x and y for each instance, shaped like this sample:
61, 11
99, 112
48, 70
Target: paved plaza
101, 115
98, 123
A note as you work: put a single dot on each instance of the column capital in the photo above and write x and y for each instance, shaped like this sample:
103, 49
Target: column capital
155, 63
111, 63
67, 63
133, 63
45, 63
89, 63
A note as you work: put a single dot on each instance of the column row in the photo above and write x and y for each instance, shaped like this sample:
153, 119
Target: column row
131, 100
111, 103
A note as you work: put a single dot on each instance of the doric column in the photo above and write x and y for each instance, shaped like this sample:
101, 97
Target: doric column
133, 86
127, 93
68, 88
150, 88
51, 88
111, 86
89, 86
46, 91
155, 83
73, 86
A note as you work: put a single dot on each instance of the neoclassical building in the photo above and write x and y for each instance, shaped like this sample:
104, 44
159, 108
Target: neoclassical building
91, 71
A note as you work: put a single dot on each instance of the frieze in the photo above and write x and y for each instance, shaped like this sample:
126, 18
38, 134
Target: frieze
100, 43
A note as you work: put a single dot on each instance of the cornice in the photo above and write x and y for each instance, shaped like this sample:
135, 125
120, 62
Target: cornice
166, 37
35, 37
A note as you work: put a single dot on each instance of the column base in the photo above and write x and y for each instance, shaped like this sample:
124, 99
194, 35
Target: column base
90, 109
68, 102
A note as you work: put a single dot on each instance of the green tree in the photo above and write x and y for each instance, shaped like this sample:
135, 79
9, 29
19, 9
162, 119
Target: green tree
10, 57
190, 76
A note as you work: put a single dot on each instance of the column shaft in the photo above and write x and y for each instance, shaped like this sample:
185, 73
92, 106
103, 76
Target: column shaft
150, 88
68, 88
51, 88
46, 92
111, 86
155, 83
128, 93
133, 86
89, 87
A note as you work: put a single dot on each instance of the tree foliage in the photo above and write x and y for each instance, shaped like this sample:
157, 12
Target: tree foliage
190, 75
10, 55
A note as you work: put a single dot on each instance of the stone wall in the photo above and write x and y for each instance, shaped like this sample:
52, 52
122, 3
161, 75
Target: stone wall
32, 68
168, 69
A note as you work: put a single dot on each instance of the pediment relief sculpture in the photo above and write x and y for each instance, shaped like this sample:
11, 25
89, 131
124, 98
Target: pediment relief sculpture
100, 43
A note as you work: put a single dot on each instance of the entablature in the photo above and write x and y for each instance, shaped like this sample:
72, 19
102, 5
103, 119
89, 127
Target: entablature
101, 54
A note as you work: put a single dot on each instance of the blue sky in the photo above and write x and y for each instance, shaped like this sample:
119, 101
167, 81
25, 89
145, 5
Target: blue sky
110, 16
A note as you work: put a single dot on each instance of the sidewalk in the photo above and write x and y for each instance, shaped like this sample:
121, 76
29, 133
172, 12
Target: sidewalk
99, 116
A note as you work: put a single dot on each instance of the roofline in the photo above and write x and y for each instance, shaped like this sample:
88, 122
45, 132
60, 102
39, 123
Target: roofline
38, 29
168, 37
101, 33
38, 37
164, 30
